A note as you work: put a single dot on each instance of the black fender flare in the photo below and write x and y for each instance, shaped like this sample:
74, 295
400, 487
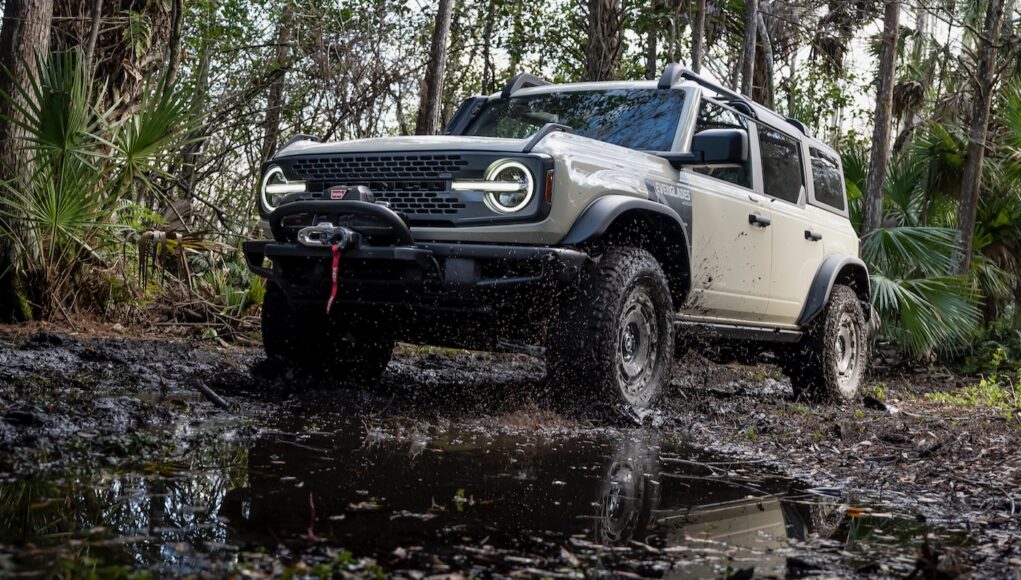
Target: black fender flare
832, 268
600, 215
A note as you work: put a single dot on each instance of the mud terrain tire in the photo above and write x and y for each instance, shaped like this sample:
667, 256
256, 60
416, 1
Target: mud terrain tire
830, 361
347, 348
613, 339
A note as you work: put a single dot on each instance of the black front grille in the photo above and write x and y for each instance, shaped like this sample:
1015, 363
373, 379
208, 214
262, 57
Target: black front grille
417, 197
360, 168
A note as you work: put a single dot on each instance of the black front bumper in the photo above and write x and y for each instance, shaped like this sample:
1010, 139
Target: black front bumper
404, 273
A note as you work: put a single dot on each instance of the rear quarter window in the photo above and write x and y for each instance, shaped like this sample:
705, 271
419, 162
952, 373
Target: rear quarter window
827, 180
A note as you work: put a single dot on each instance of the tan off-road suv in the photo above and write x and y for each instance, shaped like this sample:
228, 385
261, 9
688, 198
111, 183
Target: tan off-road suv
599, 224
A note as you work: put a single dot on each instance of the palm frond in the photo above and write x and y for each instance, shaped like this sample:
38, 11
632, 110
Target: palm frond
903, 198
927, 315
908, 251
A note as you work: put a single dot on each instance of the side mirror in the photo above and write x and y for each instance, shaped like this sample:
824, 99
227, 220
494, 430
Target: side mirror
715, 147
721, 146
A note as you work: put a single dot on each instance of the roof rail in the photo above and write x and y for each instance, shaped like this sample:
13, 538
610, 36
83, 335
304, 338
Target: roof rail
521, 81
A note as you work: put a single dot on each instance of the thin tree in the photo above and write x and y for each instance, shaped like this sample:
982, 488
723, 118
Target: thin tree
651, 40
90, 46
275, 97
698, 36
173, 56
765, 72
24, 37
971, 179
748, 48
880, 157
432, 89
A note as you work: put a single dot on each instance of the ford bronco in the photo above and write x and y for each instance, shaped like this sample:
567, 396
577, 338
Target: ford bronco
602, 225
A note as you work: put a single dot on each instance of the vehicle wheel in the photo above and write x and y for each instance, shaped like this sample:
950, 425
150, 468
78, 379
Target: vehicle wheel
829, 362
613, 339
350, 348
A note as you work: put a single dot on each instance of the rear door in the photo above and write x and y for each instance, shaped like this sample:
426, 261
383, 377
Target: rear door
797, 244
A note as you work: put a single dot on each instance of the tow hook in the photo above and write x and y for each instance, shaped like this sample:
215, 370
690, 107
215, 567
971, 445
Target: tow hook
327, 234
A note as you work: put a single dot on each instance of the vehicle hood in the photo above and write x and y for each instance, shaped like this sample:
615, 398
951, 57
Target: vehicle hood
400, 144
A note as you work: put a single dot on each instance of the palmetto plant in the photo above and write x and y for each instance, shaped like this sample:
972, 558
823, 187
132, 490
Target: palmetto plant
61, 211
923, 309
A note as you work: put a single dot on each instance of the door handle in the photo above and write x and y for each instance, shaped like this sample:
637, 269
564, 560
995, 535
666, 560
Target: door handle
812, 236
757, 220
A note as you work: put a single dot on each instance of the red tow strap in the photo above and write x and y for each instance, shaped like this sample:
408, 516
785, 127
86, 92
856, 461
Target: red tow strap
334, 270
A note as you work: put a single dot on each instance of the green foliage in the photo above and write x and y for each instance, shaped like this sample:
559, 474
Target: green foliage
998, 351
997, 392
922, 309
61, 212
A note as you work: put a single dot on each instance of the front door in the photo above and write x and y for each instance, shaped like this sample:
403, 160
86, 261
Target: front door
731, 237
731, 245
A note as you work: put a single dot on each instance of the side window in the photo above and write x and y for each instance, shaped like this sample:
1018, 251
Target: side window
827, 180
782, 174
713, 116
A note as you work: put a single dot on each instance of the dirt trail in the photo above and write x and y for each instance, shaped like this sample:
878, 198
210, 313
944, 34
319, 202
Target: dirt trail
120, 405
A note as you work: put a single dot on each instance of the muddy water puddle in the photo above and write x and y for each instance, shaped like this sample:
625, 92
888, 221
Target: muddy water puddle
430, 499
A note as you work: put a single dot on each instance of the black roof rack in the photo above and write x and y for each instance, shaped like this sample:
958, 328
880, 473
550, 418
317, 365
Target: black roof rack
675, 72
798, 124
521, 81
671, 74
300, 137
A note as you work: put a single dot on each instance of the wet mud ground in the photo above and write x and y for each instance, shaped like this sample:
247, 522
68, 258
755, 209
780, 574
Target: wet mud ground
113, 463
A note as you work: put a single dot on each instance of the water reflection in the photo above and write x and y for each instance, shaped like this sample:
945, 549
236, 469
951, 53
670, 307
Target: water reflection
431, 495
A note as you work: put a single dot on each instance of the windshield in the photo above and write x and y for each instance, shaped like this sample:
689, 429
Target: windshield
636, 118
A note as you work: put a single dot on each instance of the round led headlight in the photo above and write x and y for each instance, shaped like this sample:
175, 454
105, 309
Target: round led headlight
518, 191
275, 187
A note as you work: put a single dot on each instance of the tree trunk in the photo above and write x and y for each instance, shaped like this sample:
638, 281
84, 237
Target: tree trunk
880, 158
275, 97
488, 68
698, 37
173, 56
748, 48
651, 45
97, 21
602, 49
24, 36
971, 180
192, 152
432, 91
764, 91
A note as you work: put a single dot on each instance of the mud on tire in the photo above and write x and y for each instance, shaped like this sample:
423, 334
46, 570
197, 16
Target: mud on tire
830, 361
613, 339
347, 348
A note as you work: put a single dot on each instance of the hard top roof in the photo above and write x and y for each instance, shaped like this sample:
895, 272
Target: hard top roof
674, 77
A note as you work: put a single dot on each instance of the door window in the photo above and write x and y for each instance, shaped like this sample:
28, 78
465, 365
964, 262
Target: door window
713, 116
827, 180
782, 170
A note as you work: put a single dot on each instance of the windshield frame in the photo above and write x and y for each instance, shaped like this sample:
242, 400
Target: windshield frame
681, 137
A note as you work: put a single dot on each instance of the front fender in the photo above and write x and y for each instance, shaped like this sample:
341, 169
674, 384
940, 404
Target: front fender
837, 268
603, 212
